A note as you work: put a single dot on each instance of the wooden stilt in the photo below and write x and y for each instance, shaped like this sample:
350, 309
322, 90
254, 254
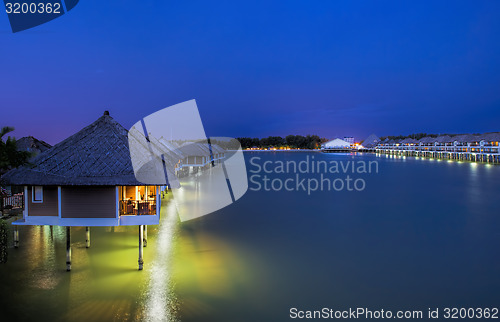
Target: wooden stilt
145, 236
141, 240
68, 248
16, 236
87, 237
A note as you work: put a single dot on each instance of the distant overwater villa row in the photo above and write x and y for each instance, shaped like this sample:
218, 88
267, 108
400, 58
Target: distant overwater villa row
466, 147
458, 149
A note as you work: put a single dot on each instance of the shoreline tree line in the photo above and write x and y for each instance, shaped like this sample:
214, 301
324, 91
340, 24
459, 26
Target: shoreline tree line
291, 141
10, 157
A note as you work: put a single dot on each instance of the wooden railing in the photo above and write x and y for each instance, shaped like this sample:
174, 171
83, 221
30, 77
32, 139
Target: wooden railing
137, 207
14, 202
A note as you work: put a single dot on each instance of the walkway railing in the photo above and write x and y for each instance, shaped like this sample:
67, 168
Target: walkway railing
14, 202
137, 207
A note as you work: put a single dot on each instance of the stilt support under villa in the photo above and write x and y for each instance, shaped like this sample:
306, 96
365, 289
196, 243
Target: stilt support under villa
87, 237
16, 236
68, 248
141, 246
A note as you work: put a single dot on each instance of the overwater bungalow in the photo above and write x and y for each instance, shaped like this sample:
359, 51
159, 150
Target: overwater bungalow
172, 149
426, 141
408, 142
443, 139
218, 153
196, 155
490, 141
88, 180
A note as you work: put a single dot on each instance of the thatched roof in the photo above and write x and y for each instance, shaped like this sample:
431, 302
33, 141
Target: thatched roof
217, 148
444, 139
462, 138
466, 138
409, 140
172, 147
427, 140
371, 141
171, 156
195, 149
31, 144
490, 137
97, 155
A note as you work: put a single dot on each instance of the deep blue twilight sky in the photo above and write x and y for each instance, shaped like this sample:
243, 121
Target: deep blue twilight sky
259, 68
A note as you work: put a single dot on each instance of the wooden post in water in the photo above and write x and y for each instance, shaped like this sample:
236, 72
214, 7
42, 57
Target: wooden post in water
145, 239
87, 237
16, 236
141, 241
68, 248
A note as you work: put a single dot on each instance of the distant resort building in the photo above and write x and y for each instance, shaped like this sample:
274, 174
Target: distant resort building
336, 145
349, 139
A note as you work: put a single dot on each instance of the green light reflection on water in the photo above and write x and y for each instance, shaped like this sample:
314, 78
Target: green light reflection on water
185, 271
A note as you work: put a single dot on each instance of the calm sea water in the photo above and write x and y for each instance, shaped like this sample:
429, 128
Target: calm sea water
423, 233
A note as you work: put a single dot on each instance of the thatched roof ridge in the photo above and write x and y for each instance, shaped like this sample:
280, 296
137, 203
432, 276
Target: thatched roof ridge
31, 144
466, 138
217, 148
427, 139
490, 137
444, 139
96, 155
194, 149
171, 156
371, 141
409, 140
172, 147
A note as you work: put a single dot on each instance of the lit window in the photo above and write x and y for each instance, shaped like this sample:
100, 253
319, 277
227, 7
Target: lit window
37, 194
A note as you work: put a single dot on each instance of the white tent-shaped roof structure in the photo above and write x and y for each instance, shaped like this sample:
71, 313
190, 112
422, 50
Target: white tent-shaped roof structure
335, 144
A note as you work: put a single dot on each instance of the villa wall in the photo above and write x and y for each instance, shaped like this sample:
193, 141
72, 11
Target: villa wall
46, 208
88, 202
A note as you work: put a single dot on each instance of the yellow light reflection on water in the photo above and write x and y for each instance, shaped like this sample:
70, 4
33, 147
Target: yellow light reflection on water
104, 283
206, 270
187, 271
161, 303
